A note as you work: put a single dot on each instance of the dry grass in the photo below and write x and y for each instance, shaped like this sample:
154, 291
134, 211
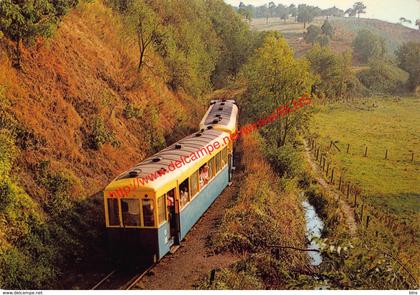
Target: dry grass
87, 69
264, 214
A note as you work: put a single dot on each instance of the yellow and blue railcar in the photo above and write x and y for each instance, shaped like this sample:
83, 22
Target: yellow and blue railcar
223, 115
151, 207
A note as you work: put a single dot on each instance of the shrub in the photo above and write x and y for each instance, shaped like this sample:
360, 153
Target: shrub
323, 40
5, 195
383, 77
101, 135
285, 160
132, 111
8, 153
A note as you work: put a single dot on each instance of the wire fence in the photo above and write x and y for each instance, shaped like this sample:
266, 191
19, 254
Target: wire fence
365, 214
352, 193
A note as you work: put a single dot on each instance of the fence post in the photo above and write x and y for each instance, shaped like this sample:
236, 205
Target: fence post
367, 221
328, 168
212, 276
412, 157
366, 150
348, 190
386, 154
361, 214
339, 184
332, 176
348, 147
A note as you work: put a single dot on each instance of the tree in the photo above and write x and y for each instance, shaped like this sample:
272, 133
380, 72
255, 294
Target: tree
23, 21
327, 29
403, 20
283, 12
274, 77
359, 8
271, 9
293, 11
142, 20
336, 78
333, 11
312, 34
305, 14
245, 11
409, 60
351, 12
367, 45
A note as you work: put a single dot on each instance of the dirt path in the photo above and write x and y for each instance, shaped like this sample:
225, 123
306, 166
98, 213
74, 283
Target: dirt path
348, 212
194, 259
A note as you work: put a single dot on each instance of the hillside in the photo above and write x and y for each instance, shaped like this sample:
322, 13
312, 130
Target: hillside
345, 30
86, 73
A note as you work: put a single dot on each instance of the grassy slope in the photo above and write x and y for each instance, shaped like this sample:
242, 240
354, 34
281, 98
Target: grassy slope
392, 125
265, 212
391, 187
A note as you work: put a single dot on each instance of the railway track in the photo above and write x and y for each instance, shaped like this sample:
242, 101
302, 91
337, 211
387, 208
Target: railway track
120, 279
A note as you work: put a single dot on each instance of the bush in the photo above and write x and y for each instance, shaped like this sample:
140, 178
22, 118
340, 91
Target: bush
132, 111
285, 160
323, 40
8, 153
101, 135
5, 195
383, 77
312, 34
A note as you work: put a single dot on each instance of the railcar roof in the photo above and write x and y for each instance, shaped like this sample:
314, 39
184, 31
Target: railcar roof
161, 160
222, 114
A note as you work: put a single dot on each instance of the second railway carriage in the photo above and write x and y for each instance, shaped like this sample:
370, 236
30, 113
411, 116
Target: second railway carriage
222, 115
149, 209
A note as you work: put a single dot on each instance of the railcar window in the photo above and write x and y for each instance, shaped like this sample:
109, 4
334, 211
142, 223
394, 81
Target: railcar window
162, 209
130, 212
194, 183
218, 162
113, 213
204, 175
211, 168
224, 157
184, 193
148, 213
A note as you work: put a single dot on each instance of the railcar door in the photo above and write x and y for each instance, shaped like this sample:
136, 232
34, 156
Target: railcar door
173, 210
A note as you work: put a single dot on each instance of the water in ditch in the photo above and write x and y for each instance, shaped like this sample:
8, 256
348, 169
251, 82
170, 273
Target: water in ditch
314, 227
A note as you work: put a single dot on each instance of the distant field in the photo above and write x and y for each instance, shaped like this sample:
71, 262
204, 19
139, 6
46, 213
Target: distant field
346, 28
391, 124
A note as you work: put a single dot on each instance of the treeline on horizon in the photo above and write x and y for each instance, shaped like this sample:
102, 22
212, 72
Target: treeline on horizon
302, 13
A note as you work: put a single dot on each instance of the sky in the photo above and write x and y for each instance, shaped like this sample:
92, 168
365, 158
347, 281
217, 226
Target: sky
388, 10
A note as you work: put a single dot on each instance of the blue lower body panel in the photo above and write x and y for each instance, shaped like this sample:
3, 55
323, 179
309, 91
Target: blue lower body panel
193, 211
196, 208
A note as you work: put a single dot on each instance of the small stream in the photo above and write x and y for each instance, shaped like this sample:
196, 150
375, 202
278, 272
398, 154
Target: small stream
314, 227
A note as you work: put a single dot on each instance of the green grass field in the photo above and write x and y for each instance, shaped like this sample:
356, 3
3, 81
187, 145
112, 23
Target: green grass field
392, 124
